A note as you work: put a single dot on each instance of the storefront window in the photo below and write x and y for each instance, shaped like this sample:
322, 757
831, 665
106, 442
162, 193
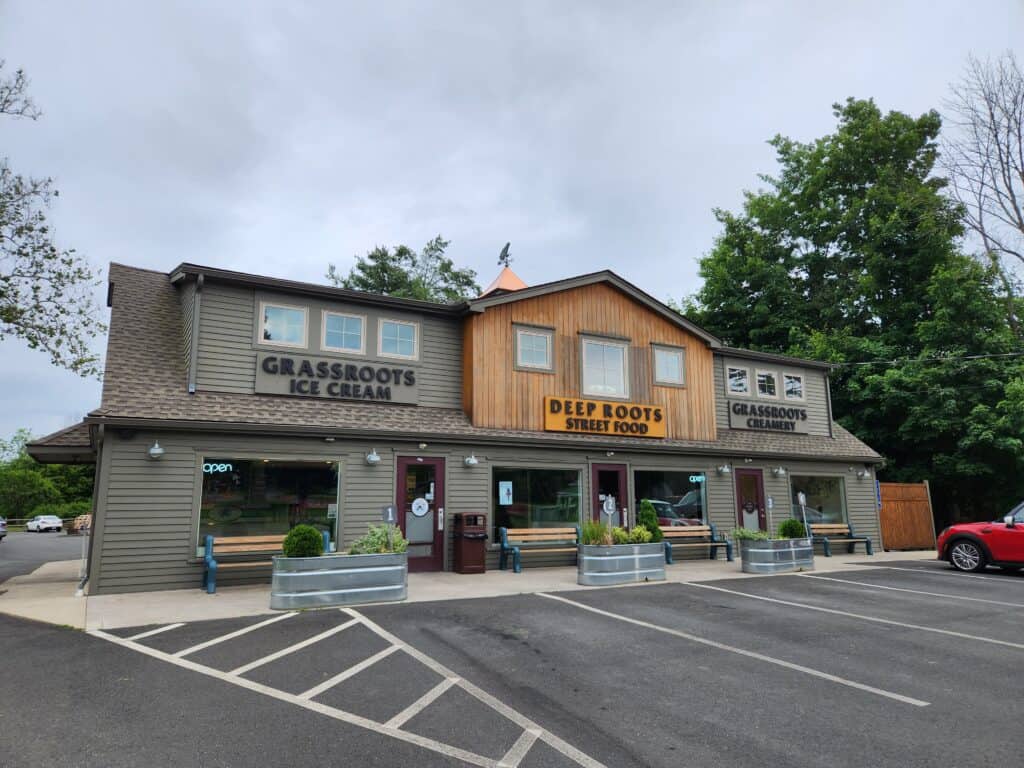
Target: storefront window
535, 498
253, 497
826, 498
678, 497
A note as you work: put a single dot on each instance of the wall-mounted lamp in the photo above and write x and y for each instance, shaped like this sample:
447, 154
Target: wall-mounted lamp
747, 460
471, 460
609, 453
155, 451
724, 469
863, 473
373, 458
778, 471
423, 446
328, 439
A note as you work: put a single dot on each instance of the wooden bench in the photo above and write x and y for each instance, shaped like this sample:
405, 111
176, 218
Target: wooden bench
242, 547
694, 536
838, 533
520, 541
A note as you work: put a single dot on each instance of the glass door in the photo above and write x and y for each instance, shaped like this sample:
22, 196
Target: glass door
420, 502
608, 494
750, 512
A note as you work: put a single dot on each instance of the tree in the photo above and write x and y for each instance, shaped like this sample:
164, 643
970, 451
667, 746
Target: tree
851, 255
22, 490
45, 291
428, 275
71, 482
984, 157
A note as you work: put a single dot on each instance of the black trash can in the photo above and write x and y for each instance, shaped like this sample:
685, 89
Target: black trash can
470, 532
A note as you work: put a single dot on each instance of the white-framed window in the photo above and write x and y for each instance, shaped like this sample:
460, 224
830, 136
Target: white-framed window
793, 386
533, 349
669, 365
344, 333
282, 325
737, 380
398, 338
767, 384
605, 368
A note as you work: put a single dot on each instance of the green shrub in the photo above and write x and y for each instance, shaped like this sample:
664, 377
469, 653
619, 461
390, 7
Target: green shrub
792, 529
640, 535
648, 518
22, 490
620, 535
65, 511
379, 540
745, 534
303, 541
595, 532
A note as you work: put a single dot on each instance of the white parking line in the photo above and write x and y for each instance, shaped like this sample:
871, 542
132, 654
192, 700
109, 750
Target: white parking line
743, 652
233, 635
292, 648
156, 631
355, 669
863, 617
518, 751
951, 572
869, 585
421, 703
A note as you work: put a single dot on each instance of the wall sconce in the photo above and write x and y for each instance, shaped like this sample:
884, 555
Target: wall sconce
471, 460
863, 473
373, 458
609, 453
423, 446
155, 451
725, 469
778, 471
748, 460
328, 439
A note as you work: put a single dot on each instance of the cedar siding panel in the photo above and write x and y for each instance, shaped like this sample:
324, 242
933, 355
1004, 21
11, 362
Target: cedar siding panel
501, 397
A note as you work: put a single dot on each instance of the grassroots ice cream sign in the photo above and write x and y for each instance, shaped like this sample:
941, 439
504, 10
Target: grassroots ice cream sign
304, 376
767, 418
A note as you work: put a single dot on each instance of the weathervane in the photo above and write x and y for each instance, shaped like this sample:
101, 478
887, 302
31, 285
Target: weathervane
504, 258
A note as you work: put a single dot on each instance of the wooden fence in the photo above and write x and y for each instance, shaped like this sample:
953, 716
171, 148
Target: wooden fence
906, 516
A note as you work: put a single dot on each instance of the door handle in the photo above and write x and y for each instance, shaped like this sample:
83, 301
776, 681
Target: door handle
440, 519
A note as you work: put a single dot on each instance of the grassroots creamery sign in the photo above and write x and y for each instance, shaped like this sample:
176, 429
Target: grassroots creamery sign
604, 417
304, 376
767, 418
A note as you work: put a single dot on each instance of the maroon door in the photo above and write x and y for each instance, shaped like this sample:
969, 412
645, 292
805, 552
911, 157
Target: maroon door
419, 499
750, 512
608, 493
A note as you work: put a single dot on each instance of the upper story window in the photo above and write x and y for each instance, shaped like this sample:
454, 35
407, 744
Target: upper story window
605, 368
793, 386
766, 384
669, 366
533, 349
398, 339
737, 381
282, 325
344, 332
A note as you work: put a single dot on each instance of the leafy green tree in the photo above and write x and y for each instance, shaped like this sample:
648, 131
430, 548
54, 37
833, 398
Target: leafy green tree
72, 482
22, 490
428, 275
46, 292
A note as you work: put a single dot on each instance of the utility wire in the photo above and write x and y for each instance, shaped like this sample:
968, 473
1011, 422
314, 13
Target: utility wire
938, 358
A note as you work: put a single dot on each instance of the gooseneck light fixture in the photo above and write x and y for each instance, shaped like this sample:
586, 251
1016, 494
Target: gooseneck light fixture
471, 460
156, 452
723, 469
778, 471
373, 458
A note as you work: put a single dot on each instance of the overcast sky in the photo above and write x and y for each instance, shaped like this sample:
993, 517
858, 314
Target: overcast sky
589, 134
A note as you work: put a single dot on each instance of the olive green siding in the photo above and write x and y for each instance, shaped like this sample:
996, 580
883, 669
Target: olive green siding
187, 296
815, 400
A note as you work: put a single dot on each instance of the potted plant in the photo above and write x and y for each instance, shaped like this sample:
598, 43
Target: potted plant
787, 552
375, 570
617, 556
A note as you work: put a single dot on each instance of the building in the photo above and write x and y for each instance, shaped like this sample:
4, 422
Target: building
235, 404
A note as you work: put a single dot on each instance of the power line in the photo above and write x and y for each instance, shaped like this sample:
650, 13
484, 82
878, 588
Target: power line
937, 358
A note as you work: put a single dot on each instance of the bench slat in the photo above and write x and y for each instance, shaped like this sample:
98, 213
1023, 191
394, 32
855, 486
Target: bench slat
235, 548
528, 550
539, 539
250, 564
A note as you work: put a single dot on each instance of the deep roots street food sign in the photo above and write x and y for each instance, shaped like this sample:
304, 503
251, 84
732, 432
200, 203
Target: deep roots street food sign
603, 417
278, 374
767, 418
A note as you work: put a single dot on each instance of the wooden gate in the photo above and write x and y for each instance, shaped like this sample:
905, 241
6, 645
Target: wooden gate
906, 516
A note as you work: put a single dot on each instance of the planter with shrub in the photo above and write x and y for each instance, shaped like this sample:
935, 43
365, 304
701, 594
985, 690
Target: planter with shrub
375, 570
789, 551
617, 556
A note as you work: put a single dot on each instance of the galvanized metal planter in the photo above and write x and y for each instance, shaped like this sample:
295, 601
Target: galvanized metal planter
314, 582
776, 555
601, 566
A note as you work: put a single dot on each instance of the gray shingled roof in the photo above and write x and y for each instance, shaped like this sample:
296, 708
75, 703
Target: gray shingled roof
75, 436
145, 383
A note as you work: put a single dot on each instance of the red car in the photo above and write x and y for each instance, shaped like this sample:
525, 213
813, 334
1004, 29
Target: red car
972, 546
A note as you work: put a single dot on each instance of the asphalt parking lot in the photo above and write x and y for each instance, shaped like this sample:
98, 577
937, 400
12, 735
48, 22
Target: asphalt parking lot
907, 665
22, 552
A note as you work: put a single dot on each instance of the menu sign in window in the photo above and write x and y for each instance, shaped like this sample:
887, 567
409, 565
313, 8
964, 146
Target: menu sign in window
603, 417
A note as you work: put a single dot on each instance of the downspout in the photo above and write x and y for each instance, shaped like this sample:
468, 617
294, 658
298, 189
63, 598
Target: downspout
80, 590
828, 400
193, 357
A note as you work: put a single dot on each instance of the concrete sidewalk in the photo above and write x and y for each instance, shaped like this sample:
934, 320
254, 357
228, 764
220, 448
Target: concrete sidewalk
48, 594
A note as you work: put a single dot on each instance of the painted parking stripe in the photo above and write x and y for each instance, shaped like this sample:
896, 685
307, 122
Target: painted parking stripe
869, 585
233, 635
743, 652
522, 721
346, 717
292, 648
421, 703
156, 631
951, 572
861, 616
518, 751
355, 669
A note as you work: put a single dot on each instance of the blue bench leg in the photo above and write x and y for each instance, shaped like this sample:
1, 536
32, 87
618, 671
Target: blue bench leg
503, 559
827, 547
668, 553
517, 566
728, 551
211, 577
869, 547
